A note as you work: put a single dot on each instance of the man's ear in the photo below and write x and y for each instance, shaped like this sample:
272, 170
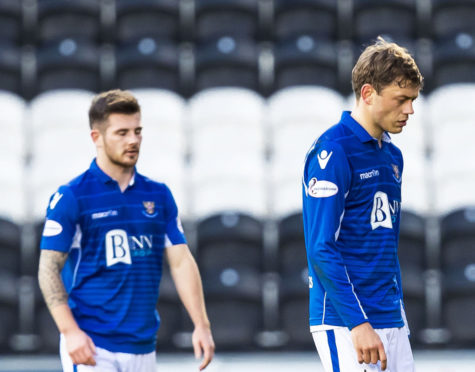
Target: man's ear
95, 135
367, 93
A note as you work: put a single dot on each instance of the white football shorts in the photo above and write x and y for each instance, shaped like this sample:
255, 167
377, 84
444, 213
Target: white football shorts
337, 353
107, 361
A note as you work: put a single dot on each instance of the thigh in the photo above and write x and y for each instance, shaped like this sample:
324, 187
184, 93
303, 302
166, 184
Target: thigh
105, 361
337, 353
400, 358
137, 362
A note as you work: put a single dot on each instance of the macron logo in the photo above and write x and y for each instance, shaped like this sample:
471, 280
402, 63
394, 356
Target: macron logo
56, 198
323, 158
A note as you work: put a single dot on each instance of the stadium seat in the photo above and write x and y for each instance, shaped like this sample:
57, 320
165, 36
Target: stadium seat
148, 63
414, 144
164, 145
450, 111
444, 12
454, 60
394, 17
58, 20
458, 268
227, 151
68, 64
61, 147
305, 60
318, 18
236, 18
227, 61
11, 22
157, 19
293, 271
12, 181
10, 68
301, 114
230, 257
170, 311
412, 260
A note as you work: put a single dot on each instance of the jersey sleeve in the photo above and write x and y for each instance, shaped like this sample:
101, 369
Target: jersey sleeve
61, 220
327, 179
174, 229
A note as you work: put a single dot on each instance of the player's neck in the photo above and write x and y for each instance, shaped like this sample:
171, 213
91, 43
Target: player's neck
123, 175
363, 117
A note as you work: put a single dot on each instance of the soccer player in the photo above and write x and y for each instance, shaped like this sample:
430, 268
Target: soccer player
103, 243
351, 210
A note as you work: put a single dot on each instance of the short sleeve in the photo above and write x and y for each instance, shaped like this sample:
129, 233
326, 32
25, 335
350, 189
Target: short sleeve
61, 220
174, 230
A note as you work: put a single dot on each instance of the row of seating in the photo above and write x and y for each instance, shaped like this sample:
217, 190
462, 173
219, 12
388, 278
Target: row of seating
224, 61
231, 149
255, 280
39, 21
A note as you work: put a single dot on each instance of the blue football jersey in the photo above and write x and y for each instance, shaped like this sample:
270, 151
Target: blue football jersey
115, 241
351, 211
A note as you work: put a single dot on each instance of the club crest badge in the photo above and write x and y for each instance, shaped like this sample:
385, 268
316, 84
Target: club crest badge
149, 209
397, 175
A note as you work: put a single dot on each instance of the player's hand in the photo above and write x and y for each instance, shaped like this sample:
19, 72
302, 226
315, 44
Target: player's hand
369, 347
80, 347
203, 344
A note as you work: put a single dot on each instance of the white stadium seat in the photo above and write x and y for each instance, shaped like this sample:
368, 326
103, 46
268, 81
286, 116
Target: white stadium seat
61, 146
227, 151
297, 117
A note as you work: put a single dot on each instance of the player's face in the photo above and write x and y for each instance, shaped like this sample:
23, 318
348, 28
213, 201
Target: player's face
391, 108
122, 138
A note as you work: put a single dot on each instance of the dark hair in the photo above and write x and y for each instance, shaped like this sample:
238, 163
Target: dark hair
384, 63
111, 102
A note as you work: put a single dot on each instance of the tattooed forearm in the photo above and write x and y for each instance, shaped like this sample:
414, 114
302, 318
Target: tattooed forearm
49, 277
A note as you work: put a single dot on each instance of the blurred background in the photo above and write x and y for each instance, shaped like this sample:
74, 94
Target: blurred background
233, 93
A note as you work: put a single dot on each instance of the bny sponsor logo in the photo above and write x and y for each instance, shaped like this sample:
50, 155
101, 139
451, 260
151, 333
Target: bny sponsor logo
120, 247
384, 212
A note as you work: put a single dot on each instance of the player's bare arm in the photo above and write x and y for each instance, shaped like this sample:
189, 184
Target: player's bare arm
368, 345
52, 287
79, 345
187, 280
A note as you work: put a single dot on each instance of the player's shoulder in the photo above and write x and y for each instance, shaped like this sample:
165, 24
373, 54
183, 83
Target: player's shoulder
151, 185
329, 142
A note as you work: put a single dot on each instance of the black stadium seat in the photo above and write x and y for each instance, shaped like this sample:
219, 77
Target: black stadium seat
227, 61
148, 63
137, 19
305, 60
68, 63
454, 60
10, 68
11, 22
458, 269
59, 19
236, 18
412, 260
451, 17
394, 17
230, 259
293, 271
318, 18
